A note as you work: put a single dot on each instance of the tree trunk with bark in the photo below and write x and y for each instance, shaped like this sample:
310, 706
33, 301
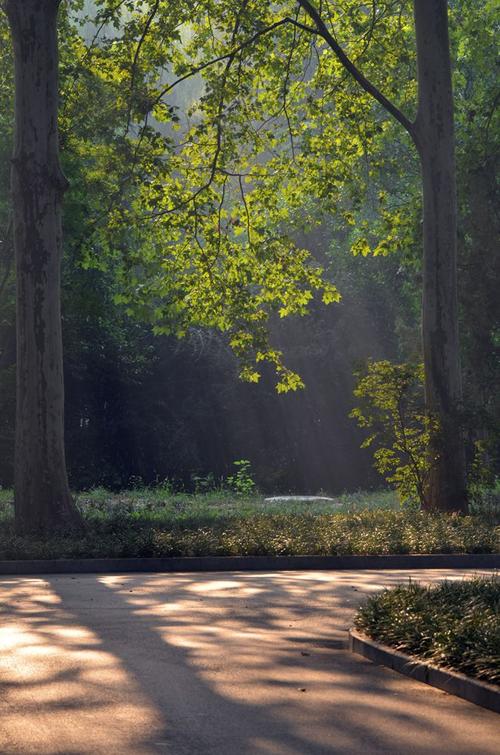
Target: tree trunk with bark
42, 498
435, 140
433, 134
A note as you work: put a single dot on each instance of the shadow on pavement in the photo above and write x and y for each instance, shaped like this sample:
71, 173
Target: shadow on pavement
216, 663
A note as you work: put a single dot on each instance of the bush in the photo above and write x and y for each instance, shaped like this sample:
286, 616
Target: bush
485, 502
391, 407
242, 482
454, 624
375, 531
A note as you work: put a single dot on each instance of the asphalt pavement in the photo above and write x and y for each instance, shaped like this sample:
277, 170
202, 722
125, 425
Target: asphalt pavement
213, 664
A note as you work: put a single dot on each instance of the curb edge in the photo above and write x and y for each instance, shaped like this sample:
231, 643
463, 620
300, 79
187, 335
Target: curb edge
250, 563
454, 683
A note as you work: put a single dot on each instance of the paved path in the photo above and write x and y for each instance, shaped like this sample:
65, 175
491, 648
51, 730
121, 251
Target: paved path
215, 664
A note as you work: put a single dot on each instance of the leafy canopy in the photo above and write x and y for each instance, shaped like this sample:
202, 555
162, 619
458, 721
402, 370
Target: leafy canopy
205, 227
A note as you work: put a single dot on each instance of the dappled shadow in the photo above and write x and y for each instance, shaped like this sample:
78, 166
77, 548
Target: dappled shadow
212, 663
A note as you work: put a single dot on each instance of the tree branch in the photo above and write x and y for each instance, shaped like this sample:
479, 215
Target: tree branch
367, 85
135, 62
233, 53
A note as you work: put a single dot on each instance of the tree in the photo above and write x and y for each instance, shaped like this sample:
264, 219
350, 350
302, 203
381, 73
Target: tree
238, 38
42, 497
195, 292
198, 235
478, 134
433, 132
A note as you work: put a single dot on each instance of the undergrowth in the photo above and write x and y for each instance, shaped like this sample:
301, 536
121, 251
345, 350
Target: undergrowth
454, 624
135, 533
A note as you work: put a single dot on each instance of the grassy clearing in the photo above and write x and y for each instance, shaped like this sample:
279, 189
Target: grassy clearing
163, 507
455, 625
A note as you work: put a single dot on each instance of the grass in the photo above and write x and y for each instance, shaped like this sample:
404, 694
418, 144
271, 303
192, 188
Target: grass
164, 507
158, 522
455, 625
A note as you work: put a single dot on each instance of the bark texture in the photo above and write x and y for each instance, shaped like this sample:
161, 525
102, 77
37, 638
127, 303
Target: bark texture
435, 139
42, 498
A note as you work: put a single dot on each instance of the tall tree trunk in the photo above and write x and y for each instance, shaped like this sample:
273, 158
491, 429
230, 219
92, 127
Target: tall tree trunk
42, 498
433, 133
434, 136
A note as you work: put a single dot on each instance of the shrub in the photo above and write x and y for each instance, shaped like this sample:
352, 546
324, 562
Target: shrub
453, 624
242, 482
392, 408
363, 532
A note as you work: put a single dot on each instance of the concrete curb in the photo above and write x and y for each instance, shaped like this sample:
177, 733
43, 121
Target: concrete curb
473, 690
251, 563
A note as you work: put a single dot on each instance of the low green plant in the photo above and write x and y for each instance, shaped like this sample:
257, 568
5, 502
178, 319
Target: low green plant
453, 624
485, 501
203, 483
192, 526
391, 407
483, 488
242, 482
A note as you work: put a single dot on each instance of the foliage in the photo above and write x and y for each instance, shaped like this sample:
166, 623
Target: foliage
474, 37
263, 134
169, 505
391, 408
175, 266
157, 522
453, 624
316, 164
276, 138
485, 501
242, 482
